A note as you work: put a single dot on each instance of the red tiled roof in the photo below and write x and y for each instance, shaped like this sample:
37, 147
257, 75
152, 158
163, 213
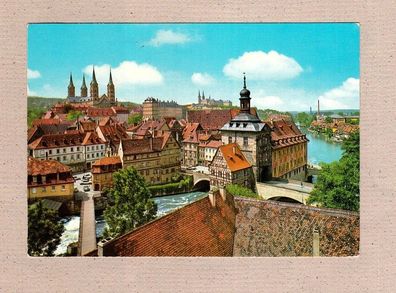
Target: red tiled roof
100, 112
213, 144
234, 157
214, 119
120, 110
107, 161
285, 133
139, 146
191, 130
113, 132
64, 140
197, 229
44, 167
92, 138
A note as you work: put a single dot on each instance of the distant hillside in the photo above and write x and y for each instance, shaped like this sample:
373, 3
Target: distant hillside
264, 113
42, 103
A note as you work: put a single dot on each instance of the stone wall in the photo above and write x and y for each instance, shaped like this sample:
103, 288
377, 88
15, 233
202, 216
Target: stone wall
267, 228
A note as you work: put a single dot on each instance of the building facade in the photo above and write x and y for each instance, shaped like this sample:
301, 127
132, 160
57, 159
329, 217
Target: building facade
154, 109
252, 135
49, 179
229, 166
76, 150
155, 158
102, 172
289, 150
190, 144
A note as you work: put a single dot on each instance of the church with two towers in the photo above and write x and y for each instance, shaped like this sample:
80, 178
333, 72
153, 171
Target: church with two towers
106, 100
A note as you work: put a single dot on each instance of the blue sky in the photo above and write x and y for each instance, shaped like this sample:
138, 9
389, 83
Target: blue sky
288, 66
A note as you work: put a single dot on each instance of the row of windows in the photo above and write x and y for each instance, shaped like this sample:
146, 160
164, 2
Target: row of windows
44, 189
72, 149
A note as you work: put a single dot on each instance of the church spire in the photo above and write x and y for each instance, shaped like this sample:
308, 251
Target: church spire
70, 88
110, 78
84, 92
110, 89
93, 74
94, 89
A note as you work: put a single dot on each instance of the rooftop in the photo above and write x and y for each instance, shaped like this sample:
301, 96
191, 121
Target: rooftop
234, 157
44, 167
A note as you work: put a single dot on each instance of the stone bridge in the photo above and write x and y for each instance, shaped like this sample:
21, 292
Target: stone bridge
284, 191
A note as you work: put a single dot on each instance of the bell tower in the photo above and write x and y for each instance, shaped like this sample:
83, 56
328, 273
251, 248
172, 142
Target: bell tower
84, 90
70, 89
94, 89
245, 98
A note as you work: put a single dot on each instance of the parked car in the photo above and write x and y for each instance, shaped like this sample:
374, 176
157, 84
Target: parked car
86, 188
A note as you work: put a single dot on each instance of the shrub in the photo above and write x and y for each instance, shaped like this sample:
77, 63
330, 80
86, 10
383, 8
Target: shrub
237, 190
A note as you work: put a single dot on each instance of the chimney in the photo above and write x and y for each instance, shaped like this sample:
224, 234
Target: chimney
315, 243
101, 245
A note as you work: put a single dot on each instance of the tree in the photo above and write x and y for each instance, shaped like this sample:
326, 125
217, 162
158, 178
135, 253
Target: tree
44, 230
132, 204
304, 119
238, 190
135, 118
73, 115
328, 119
338, 182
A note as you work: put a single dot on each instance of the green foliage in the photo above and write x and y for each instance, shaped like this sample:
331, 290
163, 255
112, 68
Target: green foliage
338, 182
44, 230
237, 190
174, 187
135, 118
132, 204
41, 102
34, 113
73, 115
328, 119
264, 114
304, 119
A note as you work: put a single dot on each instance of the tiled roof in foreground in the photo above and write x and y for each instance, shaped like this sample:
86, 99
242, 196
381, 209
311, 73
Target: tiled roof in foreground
241, 227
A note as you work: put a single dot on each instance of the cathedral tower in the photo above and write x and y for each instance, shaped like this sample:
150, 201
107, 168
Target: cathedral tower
94, 89
84, 90
110, 89
70, 89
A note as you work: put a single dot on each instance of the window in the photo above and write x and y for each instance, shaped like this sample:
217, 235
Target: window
64, 150
102, 147
53, 187
78, 156
50, 152
88, 156
230, 139
245, 141
58, 151
58, 159
34, 190
78, 148
87, 148
97, 154
63, 187
72, 157
64, 158
44, 189
71, 149
97, 147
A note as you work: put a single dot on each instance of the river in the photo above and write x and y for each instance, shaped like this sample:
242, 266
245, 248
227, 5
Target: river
165, 205
321, 149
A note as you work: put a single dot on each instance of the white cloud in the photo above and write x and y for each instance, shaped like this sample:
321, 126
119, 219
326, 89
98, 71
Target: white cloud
202, 79
30, 92
260, 65
345, 96
31, 74
163, 37
267, 102
127, 73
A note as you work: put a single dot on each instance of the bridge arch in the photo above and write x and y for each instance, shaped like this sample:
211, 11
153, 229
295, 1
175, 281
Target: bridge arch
202, 184
286, 199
